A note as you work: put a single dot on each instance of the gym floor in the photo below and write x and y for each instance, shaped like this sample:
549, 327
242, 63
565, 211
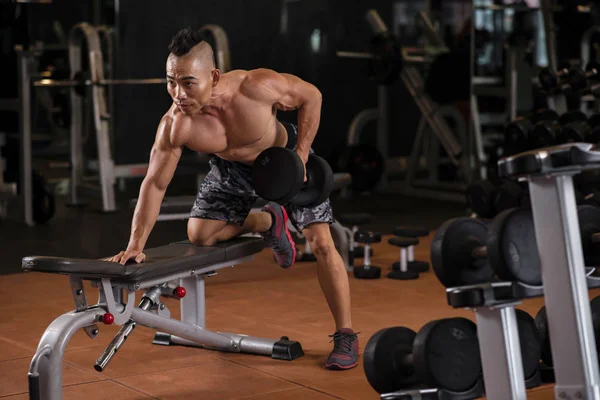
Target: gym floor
257, 298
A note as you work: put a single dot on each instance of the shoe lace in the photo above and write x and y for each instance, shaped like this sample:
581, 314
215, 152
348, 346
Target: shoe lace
343, 342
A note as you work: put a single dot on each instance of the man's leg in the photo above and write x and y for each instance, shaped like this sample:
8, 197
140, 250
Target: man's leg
333, 278
331, 273
206, 232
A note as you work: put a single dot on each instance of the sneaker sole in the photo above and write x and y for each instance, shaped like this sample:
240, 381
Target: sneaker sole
336, 366
289, 236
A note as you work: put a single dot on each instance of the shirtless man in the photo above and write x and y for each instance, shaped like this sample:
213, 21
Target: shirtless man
234, 117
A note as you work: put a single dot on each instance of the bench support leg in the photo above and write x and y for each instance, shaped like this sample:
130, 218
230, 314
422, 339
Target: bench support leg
191, 331
45, 371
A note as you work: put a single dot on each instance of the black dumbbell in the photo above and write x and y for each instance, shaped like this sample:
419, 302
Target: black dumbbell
467, 251
579, 79
587, 130
541, 322
278, 175
397, 358
531, 343
355, 220
517, 132
413, 232
400, 270
555, 81
547, 133
593, 135
589, 229
367, 271
488, 198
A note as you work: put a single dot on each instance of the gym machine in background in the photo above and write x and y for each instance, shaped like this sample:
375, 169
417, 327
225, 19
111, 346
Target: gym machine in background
388, 61
88, 88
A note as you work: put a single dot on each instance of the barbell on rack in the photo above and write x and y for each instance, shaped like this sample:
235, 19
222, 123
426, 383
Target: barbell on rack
79, 82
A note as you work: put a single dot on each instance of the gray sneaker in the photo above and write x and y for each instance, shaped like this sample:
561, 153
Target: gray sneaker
279, 237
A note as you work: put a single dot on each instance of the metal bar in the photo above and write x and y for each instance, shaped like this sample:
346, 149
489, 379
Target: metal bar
182, 274
501, 353
354, 54
101, 82
25, 123
375, 22
565, 287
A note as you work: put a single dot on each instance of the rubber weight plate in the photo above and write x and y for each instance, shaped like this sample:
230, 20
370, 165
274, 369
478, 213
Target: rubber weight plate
541, 322
480, 198
451, 252
512, 247
595, 308
589, 223
277, 174
384, 360
319, 183
509, 195
531, 344
446, 354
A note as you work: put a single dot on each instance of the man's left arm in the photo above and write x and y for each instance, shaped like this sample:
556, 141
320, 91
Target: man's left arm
288, 92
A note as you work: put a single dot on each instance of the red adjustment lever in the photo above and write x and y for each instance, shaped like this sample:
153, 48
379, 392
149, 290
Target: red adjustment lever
179, 292
108, 319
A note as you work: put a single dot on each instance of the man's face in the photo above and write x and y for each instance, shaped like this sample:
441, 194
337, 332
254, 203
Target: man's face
189, 82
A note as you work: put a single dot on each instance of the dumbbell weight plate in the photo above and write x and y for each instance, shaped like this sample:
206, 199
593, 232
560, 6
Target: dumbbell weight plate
572, 116
383, 359
446, 354
531, 343
544, 134
574, 132
541, 322
373, 272
595, 309
509, 195
281, 183
451, 249
415, 266
516, 134
512, 247
480, 198
589, 223
319, 183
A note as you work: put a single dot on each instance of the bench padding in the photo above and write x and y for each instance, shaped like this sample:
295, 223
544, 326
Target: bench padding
160, 261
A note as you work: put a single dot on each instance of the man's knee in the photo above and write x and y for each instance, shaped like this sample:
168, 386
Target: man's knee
203, 232
320, 240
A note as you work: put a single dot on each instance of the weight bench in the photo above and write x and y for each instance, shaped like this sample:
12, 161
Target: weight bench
176, 270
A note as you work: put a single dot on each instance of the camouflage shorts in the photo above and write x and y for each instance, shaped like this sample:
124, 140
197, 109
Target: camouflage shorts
226, 194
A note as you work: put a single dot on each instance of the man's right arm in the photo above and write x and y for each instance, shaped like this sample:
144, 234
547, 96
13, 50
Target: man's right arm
164, 157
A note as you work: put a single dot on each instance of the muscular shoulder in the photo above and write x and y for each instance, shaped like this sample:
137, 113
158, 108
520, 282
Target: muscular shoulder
262, 79
171, 132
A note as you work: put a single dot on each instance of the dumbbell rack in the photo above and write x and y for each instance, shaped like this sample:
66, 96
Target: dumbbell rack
549, 173
494, 306
435, 394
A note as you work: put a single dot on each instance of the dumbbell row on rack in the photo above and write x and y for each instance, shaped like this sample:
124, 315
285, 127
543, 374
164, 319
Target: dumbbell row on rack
443, 359
569, 78
541, 322
490, 267
487, 198
546, 128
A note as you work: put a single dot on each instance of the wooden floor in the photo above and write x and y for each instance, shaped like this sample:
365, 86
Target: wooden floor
257, 298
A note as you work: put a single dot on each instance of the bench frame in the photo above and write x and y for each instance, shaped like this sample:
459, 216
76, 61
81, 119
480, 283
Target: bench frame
45, 372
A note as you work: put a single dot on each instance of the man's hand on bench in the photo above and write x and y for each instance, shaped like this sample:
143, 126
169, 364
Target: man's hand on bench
126, 255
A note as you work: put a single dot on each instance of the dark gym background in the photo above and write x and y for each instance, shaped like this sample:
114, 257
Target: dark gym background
260, 35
